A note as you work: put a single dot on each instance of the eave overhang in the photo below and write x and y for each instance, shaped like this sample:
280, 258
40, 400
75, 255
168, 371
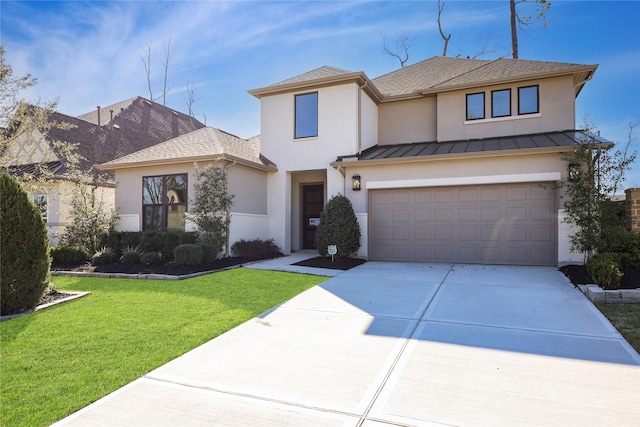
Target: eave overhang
192, 159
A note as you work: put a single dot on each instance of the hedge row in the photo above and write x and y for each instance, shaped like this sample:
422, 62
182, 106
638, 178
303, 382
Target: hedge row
162, 242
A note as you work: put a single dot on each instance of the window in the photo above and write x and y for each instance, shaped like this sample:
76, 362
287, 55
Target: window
164, 202
475, 106
528, 100
306, 115
501, 103
40, 201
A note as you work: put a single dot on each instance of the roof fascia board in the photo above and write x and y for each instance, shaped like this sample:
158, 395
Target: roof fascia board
359, 78
460, 156
192, 159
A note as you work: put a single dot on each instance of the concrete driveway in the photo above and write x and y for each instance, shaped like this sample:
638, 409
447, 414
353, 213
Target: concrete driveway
388, 344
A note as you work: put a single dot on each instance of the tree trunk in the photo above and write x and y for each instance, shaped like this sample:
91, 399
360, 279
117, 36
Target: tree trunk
514, 30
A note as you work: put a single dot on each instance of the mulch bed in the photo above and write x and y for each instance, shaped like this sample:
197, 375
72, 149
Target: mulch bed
578, 275
336, 264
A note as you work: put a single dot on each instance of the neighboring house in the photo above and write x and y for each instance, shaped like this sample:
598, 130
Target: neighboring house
154, 185
448, 160
97, 137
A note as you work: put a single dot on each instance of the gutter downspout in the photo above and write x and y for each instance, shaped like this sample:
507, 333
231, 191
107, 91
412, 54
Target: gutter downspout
359, 128
233, 163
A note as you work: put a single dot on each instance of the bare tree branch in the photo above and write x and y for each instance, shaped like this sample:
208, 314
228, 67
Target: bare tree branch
444, 38
401, 51
145, 57
190, 99
523, 22
165, 62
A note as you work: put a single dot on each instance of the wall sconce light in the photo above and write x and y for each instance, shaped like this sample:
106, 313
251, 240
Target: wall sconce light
574, 171
355, 182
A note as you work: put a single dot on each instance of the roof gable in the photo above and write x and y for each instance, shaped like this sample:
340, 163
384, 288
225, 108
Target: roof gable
319, 73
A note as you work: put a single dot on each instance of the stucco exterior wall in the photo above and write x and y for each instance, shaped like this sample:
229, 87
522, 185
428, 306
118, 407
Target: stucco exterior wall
556, 104
369, 122
249, 187
407, 121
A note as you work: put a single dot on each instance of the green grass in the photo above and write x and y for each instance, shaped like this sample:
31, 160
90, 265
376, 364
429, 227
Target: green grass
626, 319
59, 360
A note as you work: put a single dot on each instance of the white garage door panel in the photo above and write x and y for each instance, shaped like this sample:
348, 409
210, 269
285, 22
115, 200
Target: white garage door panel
485, 224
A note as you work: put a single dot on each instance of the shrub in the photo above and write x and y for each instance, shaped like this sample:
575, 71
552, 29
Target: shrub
151, 258
104, 256
188, 254
256, 249
69, 254
209, 253
130, 256
605, 270
24, 249
338, 226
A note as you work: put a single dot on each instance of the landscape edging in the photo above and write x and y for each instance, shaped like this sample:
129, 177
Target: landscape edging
597, 295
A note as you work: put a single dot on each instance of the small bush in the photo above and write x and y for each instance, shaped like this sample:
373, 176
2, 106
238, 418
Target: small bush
150, 258
256, 249
188, 254
338, 226
209, 253
105, 255
69, 254
130, 256
605, 270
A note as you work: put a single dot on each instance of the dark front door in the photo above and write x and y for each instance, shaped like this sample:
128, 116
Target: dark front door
312, 203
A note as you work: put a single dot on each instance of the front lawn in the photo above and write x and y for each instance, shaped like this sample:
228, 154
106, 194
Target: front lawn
59, 360
626, 319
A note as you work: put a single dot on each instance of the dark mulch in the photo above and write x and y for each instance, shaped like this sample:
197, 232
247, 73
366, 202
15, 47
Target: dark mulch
168, 268
579, 275
52, 296
336, 264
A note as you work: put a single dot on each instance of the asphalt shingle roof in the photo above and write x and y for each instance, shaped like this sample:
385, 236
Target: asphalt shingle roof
319, 73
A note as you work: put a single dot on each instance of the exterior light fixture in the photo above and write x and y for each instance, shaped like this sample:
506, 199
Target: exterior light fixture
574, 171
355, 182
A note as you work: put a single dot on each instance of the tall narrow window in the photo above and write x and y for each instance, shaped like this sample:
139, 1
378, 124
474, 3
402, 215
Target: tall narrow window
475, 106
501, 103
528, 100
306, 115
164, 202
40, 200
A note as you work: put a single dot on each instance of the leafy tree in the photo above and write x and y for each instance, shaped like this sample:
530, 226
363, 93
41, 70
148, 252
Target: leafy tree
211, 207
338, 226
91, 217
24, 249
588, 195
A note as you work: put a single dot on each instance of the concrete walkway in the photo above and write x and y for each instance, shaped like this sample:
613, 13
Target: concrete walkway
388, 344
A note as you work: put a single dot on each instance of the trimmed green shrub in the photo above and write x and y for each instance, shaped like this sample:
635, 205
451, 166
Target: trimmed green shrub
150, 258
130, 256
338, 226
605, 270
105, 255
256, 249
209, 253
69, 254
188, 254
25, 260
163, 242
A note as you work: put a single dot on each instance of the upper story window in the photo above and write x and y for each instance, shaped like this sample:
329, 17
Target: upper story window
164, 202
306, 115
501, 103
528, 100
40, 201
475, 106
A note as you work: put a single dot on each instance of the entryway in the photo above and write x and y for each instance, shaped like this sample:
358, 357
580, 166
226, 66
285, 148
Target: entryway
312, 204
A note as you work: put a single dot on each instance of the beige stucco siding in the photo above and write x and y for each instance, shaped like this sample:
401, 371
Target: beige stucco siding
409, 121
556, 104
247, 185
369, 122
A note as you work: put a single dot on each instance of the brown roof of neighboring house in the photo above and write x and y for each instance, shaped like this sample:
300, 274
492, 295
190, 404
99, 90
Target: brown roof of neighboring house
201, 145
137, 124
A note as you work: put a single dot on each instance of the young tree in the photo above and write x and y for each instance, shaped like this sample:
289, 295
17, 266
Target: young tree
445, 39
211, 209
24, 249
401, 51
588, 194
524, 22
145, 57
91, 217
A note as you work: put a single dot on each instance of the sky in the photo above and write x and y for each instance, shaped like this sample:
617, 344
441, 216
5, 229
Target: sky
86, 54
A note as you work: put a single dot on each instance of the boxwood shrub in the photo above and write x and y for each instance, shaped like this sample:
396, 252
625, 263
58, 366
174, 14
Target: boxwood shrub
188, 254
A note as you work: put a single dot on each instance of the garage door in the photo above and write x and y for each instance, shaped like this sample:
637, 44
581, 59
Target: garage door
488, 224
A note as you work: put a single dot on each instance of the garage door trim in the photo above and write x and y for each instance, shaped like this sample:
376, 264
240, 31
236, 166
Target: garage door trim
465, 180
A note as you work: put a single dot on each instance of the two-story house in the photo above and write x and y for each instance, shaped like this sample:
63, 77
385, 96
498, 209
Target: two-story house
447, 160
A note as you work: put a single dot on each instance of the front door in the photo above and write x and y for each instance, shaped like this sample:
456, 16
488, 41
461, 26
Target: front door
312, 203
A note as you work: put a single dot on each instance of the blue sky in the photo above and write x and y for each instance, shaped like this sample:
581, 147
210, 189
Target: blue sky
88, 53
